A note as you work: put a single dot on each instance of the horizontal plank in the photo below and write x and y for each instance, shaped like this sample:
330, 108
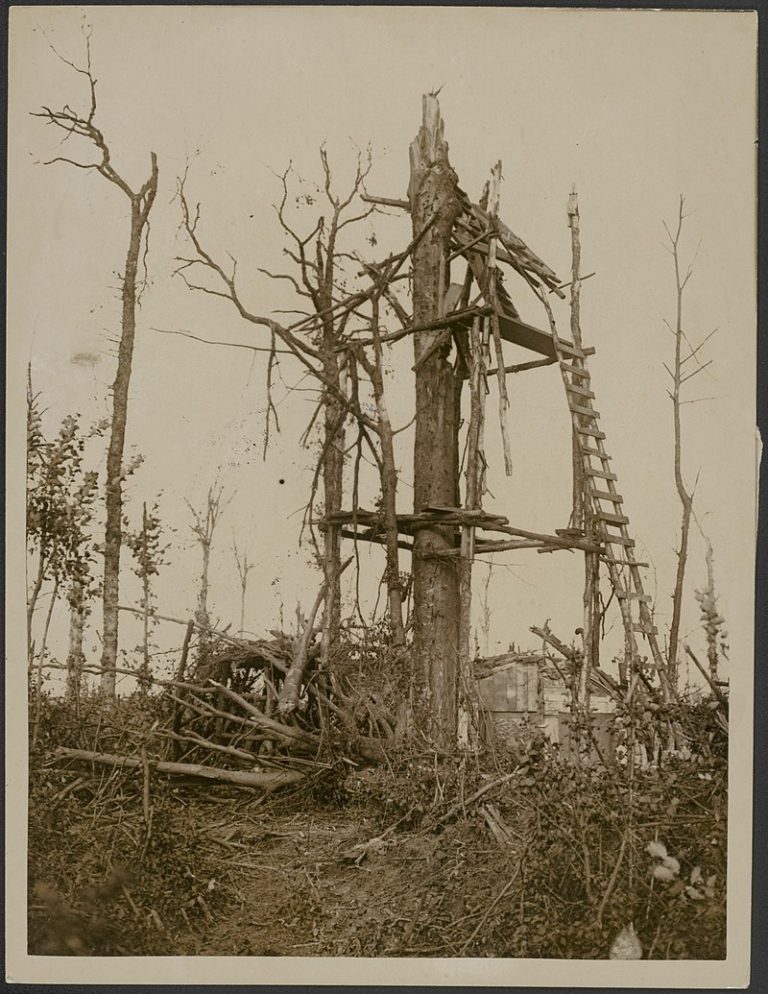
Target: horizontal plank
517, 332
632, 595
590, 450
619, 540
587, 412
612, 561
592, 432
612, 519
580, 391
576, 370
377, 538
605, 495
601, 473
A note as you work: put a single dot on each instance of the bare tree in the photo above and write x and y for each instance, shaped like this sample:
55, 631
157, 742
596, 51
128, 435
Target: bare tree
321, 339
684, 353
243, 569
203, 527
141, 200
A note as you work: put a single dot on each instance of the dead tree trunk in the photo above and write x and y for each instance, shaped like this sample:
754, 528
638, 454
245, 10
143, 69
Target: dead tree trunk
141, 204
243, 569
432, 194
333, 486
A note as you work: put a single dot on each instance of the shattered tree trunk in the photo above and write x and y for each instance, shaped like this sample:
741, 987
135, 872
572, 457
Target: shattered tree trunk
141, 205
432, 194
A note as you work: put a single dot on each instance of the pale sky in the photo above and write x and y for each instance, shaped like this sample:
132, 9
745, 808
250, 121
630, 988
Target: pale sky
635, 108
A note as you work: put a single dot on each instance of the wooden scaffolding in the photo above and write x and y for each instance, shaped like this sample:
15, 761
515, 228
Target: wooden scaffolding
478, 317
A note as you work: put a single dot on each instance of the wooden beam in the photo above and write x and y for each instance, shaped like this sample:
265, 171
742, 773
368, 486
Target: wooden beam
522, 367
376, 538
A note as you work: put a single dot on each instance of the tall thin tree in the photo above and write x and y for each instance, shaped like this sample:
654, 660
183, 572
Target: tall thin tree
684, 353
140, 200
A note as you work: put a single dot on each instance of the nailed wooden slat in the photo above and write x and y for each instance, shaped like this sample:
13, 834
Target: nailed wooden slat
622, 562
600, 473
605, 495
581, 391
586, 411
632, 595
589, 430
619, 540
612, 519
576, 370
590, 450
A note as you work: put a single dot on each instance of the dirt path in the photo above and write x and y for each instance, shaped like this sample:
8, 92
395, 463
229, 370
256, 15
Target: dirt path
327, 883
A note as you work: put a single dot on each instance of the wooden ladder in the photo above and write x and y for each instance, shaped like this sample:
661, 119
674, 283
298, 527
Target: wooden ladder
607, 506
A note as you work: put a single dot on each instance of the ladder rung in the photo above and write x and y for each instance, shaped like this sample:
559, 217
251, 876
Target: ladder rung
644, 630
631, 595
586, 411
572, 351
590, 450
612, 519
619, 540
577, 370
605, 495
581, 391
593, 432
622, 562
599, 472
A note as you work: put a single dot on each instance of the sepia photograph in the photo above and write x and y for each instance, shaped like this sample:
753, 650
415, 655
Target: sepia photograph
381, 521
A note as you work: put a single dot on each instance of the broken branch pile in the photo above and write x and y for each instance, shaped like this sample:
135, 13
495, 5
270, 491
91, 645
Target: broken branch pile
256, 713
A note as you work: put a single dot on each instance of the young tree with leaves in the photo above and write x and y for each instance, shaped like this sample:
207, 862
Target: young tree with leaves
61, 502
148, 548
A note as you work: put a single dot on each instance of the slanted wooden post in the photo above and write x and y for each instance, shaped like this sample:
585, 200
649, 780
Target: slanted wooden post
492, 299
472, 501
434, 200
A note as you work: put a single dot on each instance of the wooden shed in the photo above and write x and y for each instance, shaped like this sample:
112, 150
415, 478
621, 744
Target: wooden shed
524, 689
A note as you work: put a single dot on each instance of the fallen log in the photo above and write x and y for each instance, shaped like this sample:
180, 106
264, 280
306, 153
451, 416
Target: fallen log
242, 778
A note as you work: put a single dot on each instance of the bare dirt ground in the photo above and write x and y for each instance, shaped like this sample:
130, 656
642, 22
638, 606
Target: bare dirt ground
320, 884
517, 854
